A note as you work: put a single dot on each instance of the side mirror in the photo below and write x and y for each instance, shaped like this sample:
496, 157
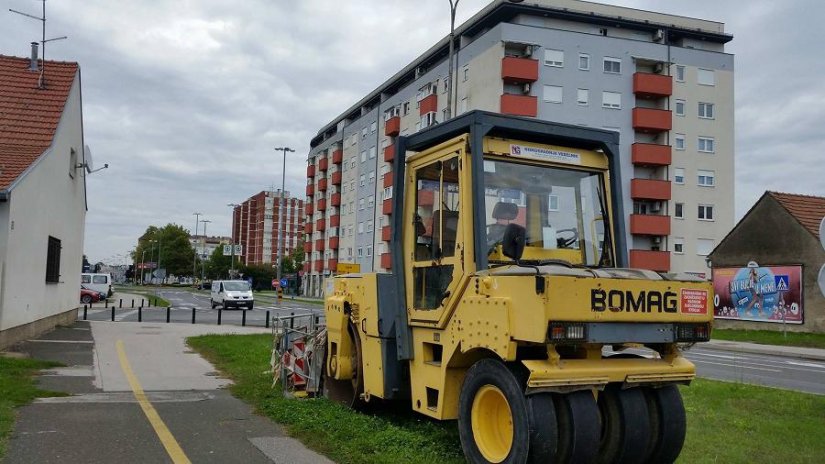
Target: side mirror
512, 244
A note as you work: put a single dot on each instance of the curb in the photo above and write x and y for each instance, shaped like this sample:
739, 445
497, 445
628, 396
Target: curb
790, 352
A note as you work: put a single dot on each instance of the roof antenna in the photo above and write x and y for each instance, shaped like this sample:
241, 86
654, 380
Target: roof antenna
41, 80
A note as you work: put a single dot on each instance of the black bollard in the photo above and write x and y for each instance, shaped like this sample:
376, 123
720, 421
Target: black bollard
243, 318
168, 313
193, 315
142, 302
133, 302
113, 313
84, 312
291, 320
219, 315
140, 314
267, 318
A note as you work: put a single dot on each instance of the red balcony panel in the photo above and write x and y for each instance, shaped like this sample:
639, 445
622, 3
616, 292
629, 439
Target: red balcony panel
649, 189
648, 259
393, 126
338, 156
308, 209
426, 198
306, 266
648, 85
651, 154
386, 207
519, 105
333, 243
386, 233
320, 225
649, 224
335, 199
307, 247
308, 228
389, 153
334, 220
310, 190
386, 261
332, 263
322, 204
311, 170
319, 265
519, 70
336, 178
319, 245
322, 185
428, 105
652, 120
387, 180
323, 164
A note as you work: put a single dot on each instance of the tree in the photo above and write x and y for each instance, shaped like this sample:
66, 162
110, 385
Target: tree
261, 275
169, 244
218, 265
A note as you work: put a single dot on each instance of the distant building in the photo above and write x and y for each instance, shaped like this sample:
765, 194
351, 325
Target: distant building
765, 270
42, 196
205, 246
255, 225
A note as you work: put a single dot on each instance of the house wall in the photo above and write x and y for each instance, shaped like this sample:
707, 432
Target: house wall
48, 200
769, 235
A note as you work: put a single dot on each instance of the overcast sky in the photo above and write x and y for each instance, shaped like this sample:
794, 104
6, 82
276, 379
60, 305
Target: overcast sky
185, 99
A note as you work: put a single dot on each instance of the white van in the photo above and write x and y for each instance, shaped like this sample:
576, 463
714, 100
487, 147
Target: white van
101, 283
231, 293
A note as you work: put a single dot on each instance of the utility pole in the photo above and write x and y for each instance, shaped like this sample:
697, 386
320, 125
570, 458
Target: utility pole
159, 243
195, 256
203, 250
232, 253
281, 218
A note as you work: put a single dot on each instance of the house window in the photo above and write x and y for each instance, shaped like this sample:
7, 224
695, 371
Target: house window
679, 210
466, 73
360, 229
554, 58
360, 204
446, 85
362, 179
679, 175
406, 108
370, 201
706, 110
53, 261
680, 107
372, 177
582, 97
706, 145
705, 178
612, 65
373, 126
705, 77
553, 93
584, 61
363, 155
369, 251
704, 246
706, 212
611, 100
678, 245
360, 252
364, 132
680, 73
352, 164
553, 204
372, 152
679, 141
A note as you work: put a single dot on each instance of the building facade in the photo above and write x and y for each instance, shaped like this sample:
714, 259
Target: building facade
255, 226
205, 246
663, 82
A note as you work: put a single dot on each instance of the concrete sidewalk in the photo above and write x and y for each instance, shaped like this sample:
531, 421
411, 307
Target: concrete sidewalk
106, 421
814, 354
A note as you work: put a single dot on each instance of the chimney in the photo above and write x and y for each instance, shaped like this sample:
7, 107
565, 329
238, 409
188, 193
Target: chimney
33, 63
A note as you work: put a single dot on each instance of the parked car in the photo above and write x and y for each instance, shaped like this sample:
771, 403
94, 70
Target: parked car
102, 295
88, 296
99, 282
229, 293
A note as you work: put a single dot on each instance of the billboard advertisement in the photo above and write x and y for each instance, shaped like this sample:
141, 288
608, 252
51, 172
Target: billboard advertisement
759, 293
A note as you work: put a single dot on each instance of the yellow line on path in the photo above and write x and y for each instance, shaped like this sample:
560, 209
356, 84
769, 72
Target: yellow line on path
172, 447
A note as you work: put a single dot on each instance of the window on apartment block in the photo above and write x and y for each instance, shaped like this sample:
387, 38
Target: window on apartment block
553, 203
582, 97
705, 178
462, 106
705, 77
680, 73
369, 251
360, 252
364, 132
370, 201
679, 175
466, 73
706, 144
679, 141
704, 246
584, 61
406, 108
363, 155
678, 245
372, 177
679, 107
372, 152
352, 164
679, 210
360, 204
611, 100
373, 126
369, 228
553, 93
53, 260
706, 110
705, 212
360, 227
362, 180
612, 65
554, 58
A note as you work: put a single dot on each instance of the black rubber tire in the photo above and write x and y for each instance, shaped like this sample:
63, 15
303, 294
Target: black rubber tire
625, 426
249, 306
493, 372
544, 432
668, 423
86, 299
578, 422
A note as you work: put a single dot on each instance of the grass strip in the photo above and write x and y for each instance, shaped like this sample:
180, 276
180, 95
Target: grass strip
17, 388
770, 337
727, 422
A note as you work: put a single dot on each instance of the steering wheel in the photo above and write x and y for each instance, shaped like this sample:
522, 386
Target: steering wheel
566, 242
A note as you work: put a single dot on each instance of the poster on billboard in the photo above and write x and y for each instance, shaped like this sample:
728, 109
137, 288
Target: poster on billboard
759, 293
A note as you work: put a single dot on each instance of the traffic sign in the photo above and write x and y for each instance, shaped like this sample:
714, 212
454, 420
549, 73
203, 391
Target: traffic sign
347, 268
274, 283
227, 250
782, 282
284, 282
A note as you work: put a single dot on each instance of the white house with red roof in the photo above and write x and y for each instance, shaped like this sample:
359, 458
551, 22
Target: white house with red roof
42, 196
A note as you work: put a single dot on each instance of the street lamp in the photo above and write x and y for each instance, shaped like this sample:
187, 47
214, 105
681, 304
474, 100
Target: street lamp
232, 253
203, 250
152, 259
195, 256
281, 213
142, 265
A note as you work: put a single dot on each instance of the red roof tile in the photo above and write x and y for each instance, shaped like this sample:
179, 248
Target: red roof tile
808, 210
29, 115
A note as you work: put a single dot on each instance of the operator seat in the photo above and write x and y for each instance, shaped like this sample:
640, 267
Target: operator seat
501, 212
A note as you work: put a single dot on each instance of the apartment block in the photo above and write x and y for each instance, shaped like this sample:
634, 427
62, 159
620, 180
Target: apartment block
663, 82
255, 226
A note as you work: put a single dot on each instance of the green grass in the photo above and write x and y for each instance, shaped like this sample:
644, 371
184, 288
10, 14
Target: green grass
148, 292
770, 337
727, 422
17, 389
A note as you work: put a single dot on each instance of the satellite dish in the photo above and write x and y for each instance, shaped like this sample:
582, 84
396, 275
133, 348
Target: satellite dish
822, 232
821, 279
87, 158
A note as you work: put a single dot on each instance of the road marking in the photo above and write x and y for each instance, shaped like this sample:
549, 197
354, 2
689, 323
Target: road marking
738, 365
806, 364
172, 447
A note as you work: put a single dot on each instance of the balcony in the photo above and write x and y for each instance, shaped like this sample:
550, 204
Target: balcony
306, 266
322, 204
332, 263
428, 104
386, 207
308, 209
335, 199
393, 126
649, 259
519, 70
651, 154
338, 156
386, 233
323, 164
310, 190
652, 120
308, 227
321, 225
519, 105
333, 243
319, 245
650, 189
319, 265
647, 85
386, 261
311, 170
322, 185
336, 178
387, 182
389, 153
307, 247
649, 224
334, 220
